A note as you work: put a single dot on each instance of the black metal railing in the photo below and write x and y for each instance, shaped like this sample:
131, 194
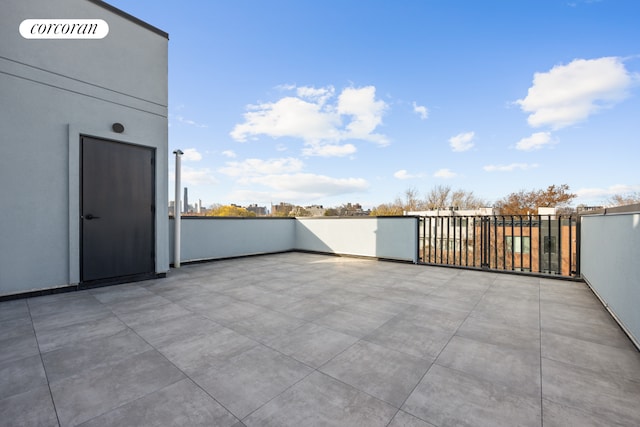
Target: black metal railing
540, 244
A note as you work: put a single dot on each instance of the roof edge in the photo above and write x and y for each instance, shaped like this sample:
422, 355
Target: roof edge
131, 18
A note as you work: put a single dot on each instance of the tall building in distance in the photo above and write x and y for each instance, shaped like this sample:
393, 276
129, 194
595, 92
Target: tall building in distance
185, 202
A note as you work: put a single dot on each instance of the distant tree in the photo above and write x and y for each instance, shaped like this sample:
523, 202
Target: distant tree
624, 199
331, 212
442, 197
387, 209
411, 200
527, 202
229, 210
438, 197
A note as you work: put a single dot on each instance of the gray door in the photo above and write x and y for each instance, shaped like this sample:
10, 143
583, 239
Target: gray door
117, 210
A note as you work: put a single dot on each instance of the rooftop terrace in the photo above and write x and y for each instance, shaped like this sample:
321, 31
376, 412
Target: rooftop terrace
299, 339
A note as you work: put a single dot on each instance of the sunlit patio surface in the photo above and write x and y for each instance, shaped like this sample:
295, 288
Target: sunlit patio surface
300, 339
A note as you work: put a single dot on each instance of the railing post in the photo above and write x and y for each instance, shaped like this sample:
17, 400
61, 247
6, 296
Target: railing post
176, 213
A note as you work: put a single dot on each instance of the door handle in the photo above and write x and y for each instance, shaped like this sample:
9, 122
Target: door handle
89, 217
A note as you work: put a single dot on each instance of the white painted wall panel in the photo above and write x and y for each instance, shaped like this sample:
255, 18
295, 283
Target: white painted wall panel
214, 238
610, 262
392, 237
51, 91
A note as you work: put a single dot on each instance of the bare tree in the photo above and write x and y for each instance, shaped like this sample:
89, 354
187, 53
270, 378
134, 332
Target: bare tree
438, 197
411, 200
624, 199
442, 197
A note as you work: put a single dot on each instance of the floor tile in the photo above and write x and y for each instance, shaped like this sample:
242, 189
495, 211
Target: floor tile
402, 419
246, 382
582, 323
31, 408
593, 356
153, 313
319, 400
383, 373
180, 404
312, 344
51, 339
557, 415
19, 376
90, 354
162, 333
95, 391
112, 295
446, 397
501, 334
84, 310
266, 325
516, 369
232, 312
15, 309
608, 397
353, 322
407, 336
198, 353
18, 347
309, 309
11, 328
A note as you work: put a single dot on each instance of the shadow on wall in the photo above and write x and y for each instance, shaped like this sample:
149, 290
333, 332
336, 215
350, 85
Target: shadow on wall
380, 237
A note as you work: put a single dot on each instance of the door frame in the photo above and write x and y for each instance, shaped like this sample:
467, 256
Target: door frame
75, 133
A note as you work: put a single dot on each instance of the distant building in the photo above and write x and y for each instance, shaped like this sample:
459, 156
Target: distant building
316, 210
282, 209
354, 209
258, 210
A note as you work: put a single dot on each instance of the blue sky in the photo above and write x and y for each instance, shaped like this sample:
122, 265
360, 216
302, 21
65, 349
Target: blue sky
335, 101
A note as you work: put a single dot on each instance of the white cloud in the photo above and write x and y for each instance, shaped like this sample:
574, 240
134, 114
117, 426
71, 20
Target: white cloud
366, 114
191, 155
190, 122
195, 176
254, 167
603, 193
535, 142
329, 150
281, 147
421, 110
229, 153
568, 94
308, 183
445, 173
510, 168
311, 117
403, 174
462, 141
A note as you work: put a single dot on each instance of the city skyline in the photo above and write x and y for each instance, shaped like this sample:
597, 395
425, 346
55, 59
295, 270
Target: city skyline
335, 102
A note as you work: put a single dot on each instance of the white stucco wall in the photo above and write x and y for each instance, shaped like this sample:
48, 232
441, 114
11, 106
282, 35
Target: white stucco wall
215, 238
52, 91
381, 237
609, 262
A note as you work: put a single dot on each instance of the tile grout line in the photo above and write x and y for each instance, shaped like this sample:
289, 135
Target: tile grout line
53, 402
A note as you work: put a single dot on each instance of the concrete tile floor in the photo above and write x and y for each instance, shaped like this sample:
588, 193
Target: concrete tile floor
310, 340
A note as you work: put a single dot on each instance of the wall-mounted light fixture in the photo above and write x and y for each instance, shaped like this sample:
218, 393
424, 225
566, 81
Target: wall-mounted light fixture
117, 127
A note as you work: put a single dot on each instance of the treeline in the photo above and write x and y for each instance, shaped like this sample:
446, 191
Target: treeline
523, 202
